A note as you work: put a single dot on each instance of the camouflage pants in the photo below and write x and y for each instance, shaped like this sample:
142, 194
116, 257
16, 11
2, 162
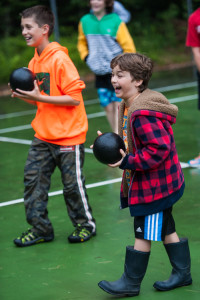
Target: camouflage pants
41, 162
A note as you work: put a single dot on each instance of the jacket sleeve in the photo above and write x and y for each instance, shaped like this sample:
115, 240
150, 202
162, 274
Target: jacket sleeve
155, 143
122, 12
124, 39
82, 42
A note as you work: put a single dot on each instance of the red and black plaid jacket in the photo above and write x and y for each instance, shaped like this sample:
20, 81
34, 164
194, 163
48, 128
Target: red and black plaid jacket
157, 179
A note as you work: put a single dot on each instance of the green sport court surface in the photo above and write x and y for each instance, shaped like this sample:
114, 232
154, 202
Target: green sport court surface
59, 270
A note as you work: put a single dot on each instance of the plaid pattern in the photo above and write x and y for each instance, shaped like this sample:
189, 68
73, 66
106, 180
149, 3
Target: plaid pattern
156, 170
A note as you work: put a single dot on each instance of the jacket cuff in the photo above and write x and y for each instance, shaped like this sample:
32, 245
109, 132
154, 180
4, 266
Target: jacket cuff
124, 162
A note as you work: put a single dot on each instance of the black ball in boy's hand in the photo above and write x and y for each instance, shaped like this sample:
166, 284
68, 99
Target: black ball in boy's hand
23, 79
106, 148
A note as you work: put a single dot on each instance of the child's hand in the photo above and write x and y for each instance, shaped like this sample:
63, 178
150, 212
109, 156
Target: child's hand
29, 95
117, 164
99, 133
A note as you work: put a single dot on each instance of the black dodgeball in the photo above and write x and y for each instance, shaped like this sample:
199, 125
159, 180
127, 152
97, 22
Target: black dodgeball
106, 148
23, 79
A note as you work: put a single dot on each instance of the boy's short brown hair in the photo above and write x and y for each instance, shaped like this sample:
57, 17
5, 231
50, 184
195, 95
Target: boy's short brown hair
109, 5
41, 14
138, 65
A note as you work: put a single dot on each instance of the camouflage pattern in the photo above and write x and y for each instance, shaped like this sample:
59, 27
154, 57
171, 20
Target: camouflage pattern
41, 162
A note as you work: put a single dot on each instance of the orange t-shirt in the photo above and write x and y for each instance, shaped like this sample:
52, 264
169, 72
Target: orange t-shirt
57, 75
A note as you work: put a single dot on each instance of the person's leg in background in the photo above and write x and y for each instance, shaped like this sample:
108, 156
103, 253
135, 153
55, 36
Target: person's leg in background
195, 162
110, 103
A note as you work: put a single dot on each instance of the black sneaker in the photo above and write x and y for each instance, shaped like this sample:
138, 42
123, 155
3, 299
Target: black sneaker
30, 238
80, 235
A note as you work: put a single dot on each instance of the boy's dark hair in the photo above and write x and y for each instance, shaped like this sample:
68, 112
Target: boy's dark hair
41, 14
138, 65
109, 6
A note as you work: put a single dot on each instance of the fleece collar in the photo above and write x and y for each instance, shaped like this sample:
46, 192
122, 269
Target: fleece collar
151, 103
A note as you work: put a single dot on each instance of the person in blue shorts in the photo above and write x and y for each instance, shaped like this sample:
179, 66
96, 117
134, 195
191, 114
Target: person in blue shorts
101, 36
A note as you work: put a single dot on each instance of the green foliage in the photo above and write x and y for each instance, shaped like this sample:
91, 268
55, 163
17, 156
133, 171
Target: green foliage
163, 36
157, 27
13, 54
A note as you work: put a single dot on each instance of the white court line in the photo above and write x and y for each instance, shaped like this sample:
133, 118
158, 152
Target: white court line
94, 101
17, 128
16, 141
88, 186
33, 111
183, 99
176, 87
18, 114
28, 142
98, 114
28, 126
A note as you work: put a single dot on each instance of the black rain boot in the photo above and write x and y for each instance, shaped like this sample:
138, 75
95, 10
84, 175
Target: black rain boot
134, 270
179, 256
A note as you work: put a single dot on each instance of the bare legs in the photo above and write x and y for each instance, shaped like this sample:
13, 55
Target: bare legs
145, 245
112, 115
142, 245
171, 238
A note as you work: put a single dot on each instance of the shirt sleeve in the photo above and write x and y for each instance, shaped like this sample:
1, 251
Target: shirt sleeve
124, 39
193, 36
69, 80
82, 42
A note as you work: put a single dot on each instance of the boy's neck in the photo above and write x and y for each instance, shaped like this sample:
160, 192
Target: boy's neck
100, 14
42, 46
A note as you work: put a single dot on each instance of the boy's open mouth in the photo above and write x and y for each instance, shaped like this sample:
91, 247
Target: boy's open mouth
28, 38
117, 88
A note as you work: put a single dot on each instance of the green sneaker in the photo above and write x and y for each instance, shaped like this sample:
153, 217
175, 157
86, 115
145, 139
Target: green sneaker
30, 238
80, 235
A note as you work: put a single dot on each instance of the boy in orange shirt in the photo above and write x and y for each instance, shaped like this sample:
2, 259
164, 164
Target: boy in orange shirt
60, 128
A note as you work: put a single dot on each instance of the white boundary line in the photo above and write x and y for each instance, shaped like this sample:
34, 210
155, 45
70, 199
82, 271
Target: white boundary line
18, 114
28, 126
88, 186
183, 99
28, 142
33, 111
16, 141
98, 114
16, 128
176, 87
95, 101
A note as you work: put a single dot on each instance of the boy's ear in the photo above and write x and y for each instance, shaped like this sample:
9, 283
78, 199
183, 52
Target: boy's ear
138, 82
45, 28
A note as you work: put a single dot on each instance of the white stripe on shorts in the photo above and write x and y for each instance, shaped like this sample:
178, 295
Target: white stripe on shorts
153, 227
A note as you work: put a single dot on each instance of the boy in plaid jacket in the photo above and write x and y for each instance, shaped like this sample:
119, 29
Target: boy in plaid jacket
152, 179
